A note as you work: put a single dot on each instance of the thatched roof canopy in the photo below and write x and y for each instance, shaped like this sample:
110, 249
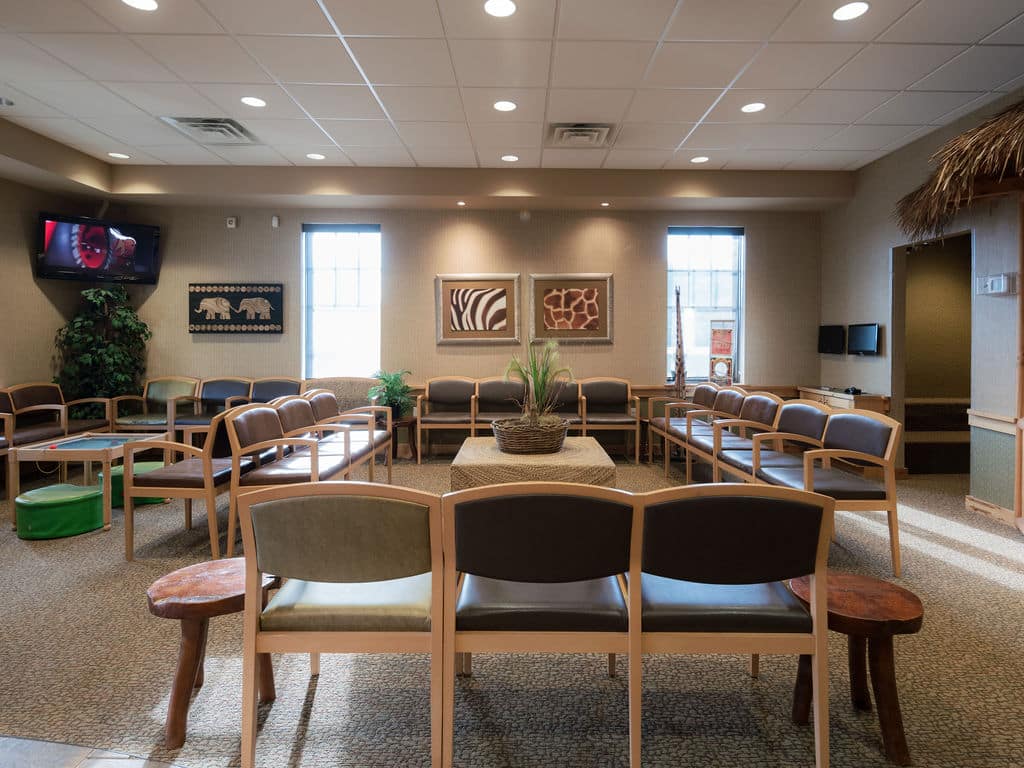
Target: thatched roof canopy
971, 163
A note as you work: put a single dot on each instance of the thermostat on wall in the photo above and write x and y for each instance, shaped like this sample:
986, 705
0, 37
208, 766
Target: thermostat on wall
232, 222
1003, 284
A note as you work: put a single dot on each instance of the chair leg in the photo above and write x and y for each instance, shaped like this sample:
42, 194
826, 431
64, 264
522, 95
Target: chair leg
819, 685
755, 665
636, 445
716, 471
314, 664
390, 460
635, 697
666, 450
249, 704
232, 512
437, 682
689, 465
211, 523
894, 542
611, 665
129, 527
372, 463
448, 701
188, 514
419, 443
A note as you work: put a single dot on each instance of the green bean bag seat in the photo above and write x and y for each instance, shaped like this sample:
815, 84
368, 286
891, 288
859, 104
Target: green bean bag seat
117, 483
57, 511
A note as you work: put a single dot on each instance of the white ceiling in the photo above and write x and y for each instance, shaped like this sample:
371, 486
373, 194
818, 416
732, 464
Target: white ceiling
412, 82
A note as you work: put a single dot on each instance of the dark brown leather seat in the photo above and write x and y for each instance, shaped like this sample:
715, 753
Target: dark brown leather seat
36, 433
744, 459
447, 417
187, 473
705, 441
609, 404
446, 403
832, 482
295, 468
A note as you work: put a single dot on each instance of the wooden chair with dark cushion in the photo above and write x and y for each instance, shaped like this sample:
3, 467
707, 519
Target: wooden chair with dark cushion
157, 400
265, 390
759, 413
609, 404
698, 421
446, 403
567, 403
368, 425
496, 399
714, 562
363, 574
213, 396
703, 397
534, 568
43, 403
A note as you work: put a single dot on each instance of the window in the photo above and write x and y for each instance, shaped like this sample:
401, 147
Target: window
341, 290
707, 265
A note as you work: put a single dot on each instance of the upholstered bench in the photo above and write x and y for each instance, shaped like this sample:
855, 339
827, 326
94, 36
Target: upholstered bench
57, 511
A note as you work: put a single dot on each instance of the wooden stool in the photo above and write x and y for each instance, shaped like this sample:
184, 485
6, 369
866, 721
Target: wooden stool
870, 612
194, 595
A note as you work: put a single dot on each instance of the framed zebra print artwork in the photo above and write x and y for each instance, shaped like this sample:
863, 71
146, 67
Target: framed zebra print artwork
477, 309
571, 308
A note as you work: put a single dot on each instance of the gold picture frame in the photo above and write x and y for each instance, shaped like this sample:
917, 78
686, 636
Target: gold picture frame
477, 308
573, 308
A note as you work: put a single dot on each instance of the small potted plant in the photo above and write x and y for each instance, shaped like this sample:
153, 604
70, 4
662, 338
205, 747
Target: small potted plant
392, 392
538, 430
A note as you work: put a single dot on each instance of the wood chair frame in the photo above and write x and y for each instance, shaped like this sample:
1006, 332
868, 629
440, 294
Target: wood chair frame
692, 413
654, 403
422, 409
370, 413
189, 431
632, 403
718, 426
115, 403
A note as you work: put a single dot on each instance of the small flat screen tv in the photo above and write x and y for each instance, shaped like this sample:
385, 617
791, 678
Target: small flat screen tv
80, 248
831, 339
863, 339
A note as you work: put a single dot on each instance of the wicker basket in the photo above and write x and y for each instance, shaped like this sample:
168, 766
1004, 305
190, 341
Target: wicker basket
517, 436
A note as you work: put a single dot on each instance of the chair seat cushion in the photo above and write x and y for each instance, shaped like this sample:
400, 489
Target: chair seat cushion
611, 419
187, 474
86, 425
295, 468
489, 416
334, 445
446, 418
678, 431
830, 482
33, 434
572, 418
595, 605
398, 605
705, 441
142, 420
670, 605
194, 420
745, 459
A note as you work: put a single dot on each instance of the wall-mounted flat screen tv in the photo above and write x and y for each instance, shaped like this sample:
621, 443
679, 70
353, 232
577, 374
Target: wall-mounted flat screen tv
80, 248
862, 339
831, 339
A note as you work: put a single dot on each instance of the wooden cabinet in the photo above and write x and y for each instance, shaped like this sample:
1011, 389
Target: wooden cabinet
836, 398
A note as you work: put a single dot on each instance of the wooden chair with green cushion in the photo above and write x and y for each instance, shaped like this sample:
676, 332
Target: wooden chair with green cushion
363, 572
158, 397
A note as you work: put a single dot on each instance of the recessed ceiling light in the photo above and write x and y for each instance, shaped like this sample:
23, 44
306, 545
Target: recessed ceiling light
253, 101
119, 155
504, 106
755, 106
699, 159
142, 5
850, 11
605, 205
510, 158
316, 156
500, 8
461, 203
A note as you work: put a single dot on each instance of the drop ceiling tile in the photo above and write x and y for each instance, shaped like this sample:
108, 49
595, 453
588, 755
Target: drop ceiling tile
831, 160
651, 135
297, 154
104, 57
203, 58
79, 99
728, 19
380, 157
298, 59
467, 19
24, 105
637, 158
812, 22
610, 64
69, 131
52, 16
500, 135
973, 106
716, 159
362, 133
836, 106
917, 107
405, 18
171, 99
762, 159
529, 157
250, 155
340, 102
796, 65
295, 17
890, 67
671, 106
865, 137
914, 135
403, 61
479, 104
613, 19
721, 136
573, 158
137, 131
185, 154
410, 103
512, 63
274, 131
21, 61
699, 65
981, 68
951, 21
587, 105
228, 98
180, 17
432, 134
1011, 34
777, 103
781, 136
444, 157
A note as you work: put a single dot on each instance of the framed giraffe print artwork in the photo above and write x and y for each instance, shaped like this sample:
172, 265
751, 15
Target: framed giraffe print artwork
571, 308
477, 309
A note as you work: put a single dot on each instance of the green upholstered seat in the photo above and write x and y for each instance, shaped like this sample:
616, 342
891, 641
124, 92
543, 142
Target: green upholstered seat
143, 419
59, 510
117, 483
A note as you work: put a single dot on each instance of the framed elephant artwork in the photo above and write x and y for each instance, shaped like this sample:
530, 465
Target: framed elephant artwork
571, 308
236, 308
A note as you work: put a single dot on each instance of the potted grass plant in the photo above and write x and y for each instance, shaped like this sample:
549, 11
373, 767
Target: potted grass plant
392, 392
538, 429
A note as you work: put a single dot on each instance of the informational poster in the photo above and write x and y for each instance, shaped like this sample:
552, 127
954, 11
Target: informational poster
723, 352
721, 341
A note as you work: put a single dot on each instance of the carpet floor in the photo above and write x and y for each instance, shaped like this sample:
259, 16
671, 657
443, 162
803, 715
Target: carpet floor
84, 662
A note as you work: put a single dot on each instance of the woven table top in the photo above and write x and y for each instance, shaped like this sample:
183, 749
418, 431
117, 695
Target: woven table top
581, 460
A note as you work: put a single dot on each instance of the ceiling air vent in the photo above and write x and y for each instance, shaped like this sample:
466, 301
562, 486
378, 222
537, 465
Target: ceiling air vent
578, 135
212, 130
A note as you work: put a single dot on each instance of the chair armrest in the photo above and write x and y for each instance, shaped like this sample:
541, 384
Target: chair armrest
583, 408
635, 400
106, 402
371, 410
116, 401
720, 425
7, 419
172, 405
130, 449
837, 453
792, 437
234, 400
282, 443
715, 415
474, 407
60, 408
681, 405
420, 402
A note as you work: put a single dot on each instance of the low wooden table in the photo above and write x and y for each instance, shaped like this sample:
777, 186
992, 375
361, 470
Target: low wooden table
194, 595
870, 612
581, 460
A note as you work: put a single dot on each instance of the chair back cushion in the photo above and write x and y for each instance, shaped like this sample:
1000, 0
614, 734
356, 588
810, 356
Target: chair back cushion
37, 394
705, 394
731, 539
605, 396
325, 405
217, 438
856, 432
5, 402
159, 391
498, 395
567, 397
296, 414
450, 394
266, 390
760, 409
729, 401
257, 425
342, 538
802, 419
214, 392
542, 537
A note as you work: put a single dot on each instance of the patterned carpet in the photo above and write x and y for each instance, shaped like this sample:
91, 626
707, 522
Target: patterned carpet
84, 662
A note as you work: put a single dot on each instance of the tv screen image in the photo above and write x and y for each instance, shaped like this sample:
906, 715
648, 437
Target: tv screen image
863, 339
831, 339
78, 248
